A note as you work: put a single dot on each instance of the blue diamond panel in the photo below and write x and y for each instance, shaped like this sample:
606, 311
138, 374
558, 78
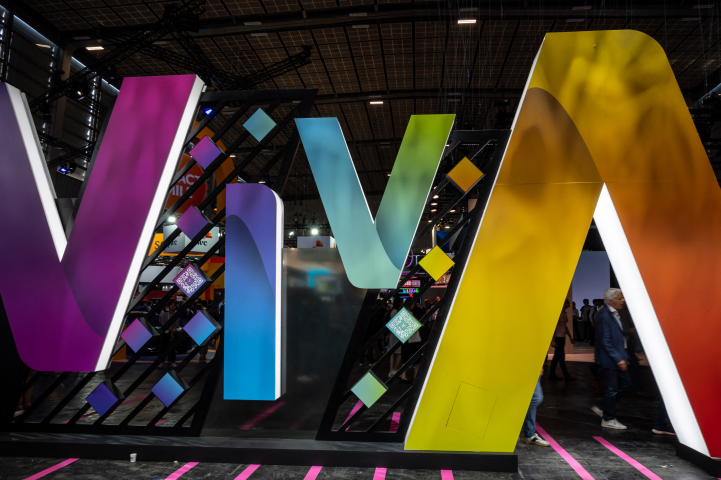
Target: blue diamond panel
201, 327
136, 335
205, 152
169, 388
103, 397
259, 124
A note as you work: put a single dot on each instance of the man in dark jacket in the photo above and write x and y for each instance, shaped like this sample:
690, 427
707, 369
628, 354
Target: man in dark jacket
612, 355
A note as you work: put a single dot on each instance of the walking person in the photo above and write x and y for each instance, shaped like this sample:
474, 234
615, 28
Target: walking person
576, 323
597, 305
663, 423
168, 335
612, 355
586, 321
396, 362
529, 423
559, 354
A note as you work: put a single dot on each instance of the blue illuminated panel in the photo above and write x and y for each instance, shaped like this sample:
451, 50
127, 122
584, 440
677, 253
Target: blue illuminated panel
253, 321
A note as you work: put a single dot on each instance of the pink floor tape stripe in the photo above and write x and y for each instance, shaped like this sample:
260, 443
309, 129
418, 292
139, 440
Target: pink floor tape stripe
179, 472
247, 472
160, 422
565, 455
446, 474
395, 421
251, 423
352, 412
380, 474
630, 460
52, 469
312, 473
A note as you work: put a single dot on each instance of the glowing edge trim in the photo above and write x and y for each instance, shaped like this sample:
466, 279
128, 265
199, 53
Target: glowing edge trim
463, 273
649, 329
279, 224
39, 168
156, 207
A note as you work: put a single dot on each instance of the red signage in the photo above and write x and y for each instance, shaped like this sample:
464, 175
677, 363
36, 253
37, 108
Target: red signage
184, 184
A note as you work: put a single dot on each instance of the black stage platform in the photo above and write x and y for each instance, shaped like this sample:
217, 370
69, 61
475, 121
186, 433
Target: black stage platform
710, 465
245, 450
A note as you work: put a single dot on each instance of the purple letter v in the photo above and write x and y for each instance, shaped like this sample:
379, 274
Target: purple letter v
66, 298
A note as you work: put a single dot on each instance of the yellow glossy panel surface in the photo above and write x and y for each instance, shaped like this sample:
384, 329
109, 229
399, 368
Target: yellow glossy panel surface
465, 174
532, 234
436, 263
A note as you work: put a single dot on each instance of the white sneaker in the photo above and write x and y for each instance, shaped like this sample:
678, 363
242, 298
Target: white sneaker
597, 411
391, 373
536, 440
613, 423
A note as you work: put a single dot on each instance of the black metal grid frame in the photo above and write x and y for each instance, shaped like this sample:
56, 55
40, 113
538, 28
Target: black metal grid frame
360, 342
246, 103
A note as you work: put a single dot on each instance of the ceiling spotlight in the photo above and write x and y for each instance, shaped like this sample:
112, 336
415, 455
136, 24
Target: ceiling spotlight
389, 174
376, 102
291, 233
171, 219
314, 231
232, 156
434, 203
262, 180
453, 211
435, 196
94, 48
208, 111
464, 21
434, 209
429, 221
43, 46
448, 226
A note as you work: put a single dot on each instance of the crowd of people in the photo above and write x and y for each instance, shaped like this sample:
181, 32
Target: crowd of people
608, 326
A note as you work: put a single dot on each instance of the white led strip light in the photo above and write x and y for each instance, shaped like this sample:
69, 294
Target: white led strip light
156, 207
644, 316
39, 167
279, 223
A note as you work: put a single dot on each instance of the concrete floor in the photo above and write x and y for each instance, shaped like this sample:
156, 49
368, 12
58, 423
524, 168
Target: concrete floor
565, 415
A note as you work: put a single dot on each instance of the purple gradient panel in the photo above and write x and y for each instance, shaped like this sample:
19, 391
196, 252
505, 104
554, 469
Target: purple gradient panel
201, 327
66, 326
258, 214
169, 388
192, 222
138, 334
190, 280
205, 151
103, 397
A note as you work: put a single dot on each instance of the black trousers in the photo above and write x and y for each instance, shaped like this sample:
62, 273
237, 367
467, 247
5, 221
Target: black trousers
559, 356
164, 343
